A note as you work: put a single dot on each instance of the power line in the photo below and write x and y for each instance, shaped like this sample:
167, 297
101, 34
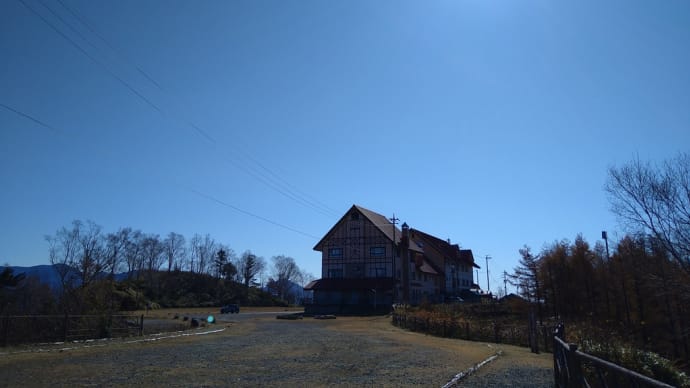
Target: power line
29, 117
209, 197
84, 21
96, 61
251, 214
268, 177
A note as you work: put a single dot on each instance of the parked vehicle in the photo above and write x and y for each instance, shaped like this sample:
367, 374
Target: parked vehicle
230, 308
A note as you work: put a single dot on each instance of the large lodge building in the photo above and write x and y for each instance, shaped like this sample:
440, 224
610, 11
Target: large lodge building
368, 264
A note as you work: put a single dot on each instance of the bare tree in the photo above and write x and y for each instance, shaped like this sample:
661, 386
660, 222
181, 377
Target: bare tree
115, 247
285, 273
133, 254
202, 250
655, 199
152, 250
77, 254
92, 253
249, 266
63, 251
174, 250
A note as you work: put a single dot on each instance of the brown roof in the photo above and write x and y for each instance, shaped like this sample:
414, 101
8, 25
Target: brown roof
417, 237
426, 267
448, 250
350, 284
380, 222
467, 256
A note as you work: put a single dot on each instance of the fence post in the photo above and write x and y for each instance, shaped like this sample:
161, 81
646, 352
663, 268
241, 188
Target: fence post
64, 336
141, 326
574, 366
533, 334
558, 332
6, 329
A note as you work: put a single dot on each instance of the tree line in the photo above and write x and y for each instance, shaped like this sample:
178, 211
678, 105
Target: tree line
85, 252
638, 291
103, 272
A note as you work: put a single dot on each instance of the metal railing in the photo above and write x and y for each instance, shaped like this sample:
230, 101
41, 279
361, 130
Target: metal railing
573, 368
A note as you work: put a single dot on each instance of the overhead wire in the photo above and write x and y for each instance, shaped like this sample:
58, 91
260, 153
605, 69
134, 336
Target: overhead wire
84, 21
197, 192
92, 58
203, 133
29, 117
209, 197
260, 171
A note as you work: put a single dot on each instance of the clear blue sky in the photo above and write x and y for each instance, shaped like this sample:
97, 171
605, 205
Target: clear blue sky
491, 123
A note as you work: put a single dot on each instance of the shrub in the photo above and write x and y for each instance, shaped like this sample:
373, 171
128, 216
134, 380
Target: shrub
641, 361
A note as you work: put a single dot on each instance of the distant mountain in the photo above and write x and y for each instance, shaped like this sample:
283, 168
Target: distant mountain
48, 274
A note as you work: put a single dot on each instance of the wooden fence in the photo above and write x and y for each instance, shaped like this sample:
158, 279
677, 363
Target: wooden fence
537, 337
573, 368
23, 329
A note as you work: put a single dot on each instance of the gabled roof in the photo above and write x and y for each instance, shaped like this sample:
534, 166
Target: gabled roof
467, 256
350, 284
427, 267
380, 222
444, 247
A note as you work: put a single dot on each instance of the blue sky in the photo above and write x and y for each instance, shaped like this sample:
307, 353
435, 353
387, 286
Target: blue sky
491, 123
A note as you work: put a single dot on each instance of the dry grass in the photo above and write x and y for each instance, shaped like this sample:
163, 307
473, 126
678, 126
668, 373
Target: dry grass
257, 350
169, 313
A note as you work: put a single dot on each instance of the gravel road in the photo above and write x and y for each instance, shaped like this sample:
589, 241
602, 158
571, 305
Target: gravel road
255, 349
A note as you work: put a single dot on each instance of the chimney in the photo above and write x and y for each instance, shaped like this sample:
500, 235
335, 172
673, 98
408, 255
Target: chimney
405, 262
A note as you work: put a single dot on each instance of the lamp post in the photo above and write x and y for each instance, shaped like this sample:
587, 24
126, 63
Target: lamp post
605, 236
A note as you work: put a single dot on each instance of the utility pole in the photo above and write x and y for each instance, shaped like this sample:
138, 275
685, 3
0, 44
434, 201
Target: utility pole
505, 283
488, 286
394, 221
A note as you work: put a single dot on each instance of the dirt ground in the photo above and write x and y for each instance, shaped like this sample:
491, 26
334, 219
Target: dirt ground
255, 349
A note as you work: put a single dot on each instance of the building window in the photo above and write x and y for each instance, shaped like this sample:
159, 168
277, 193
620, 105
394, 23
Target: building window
354, 216
335, 273
335, 252
377, 251
377, 272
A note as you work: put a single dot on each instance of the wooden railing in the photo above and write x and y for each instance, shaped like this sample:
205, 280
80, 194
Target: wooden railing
573, 368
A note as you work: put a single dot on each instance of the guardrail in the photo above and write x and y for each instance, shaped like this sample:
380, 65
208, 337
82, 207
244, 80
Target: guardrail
573, 368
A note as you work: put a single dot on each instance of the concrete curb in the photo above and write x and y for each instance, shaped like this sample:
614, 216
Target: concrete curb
458, 377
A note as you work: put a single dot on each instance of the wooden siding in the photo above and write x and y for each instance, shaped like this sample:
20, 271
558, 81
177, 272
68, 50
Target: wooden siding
355, 239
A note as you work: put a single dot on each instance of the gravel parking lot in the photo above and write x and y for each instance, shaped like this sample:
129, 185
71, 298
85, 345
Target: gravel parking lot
256, 349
